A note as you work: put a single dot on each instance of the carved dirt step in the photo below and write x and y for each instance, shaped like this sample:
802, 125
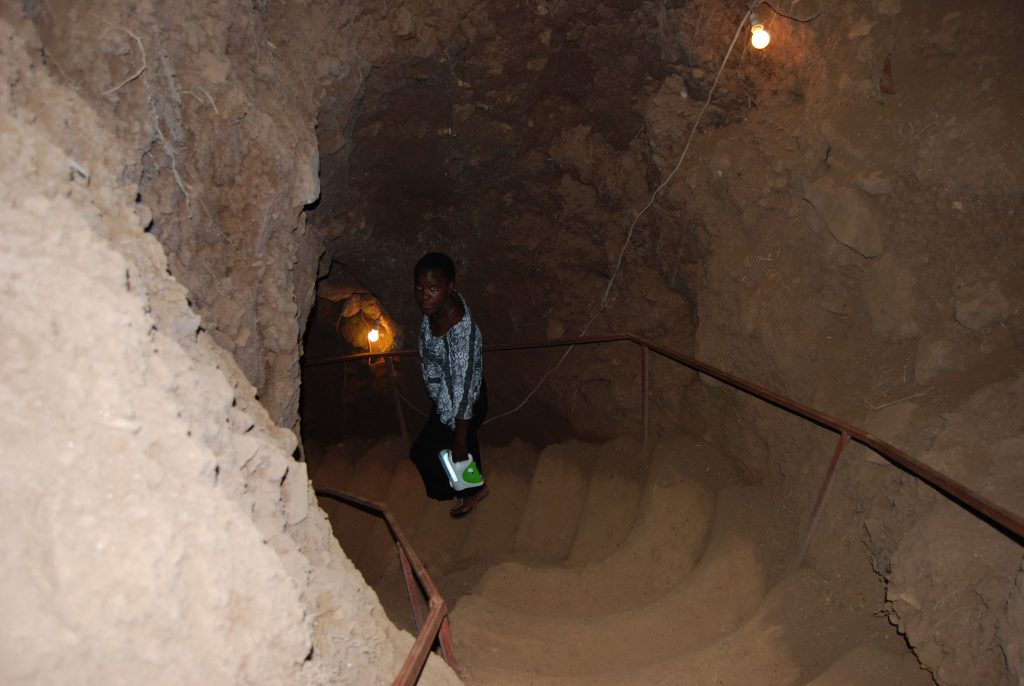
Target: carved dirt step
721, 592
494, 523
363, 536
558, 493
665, 542
618, 474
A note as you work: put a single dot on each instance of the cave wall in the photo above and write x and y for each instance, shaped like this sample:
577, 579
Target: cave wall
227, 161
158, 528
517, 148
845, 229
225, 111
875, 273
522, 137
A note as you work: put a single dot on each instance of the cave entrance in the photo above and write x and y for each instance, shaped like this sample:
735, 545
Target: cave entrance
358, 401
353, 400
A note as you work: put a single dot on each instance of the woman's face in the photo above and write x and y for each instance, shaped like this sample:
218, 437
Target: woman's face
432, 291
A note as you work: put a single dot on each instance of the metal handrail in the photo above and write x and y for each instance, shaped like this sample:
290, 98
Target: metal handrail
435, 626
1000, 518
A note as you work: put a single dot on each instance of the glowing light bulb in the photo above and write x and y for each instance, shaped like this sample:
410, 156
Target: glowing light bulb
374, 335
759, 38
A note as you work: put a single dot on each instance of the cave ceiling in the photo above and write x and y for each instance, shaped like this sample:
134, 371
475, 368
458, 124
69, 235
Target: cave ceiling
523, 132
450, 142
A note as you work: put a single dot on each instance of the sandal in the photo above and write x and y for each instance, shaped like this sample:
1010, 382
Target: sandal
466, 505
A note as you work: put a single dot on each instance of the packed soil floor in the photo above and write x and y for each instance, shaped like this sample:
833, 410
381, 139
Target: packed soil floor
600, 564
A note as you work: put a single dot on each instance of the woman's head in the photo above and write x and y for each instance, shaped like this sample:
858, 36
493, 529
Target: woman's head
434, 283
438, 261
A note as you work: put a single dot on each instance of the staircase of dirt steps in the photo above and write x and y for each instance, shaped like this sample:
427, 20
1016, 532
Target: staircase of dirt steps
593, 564
636, 540
367, 473
681, 580
453, 550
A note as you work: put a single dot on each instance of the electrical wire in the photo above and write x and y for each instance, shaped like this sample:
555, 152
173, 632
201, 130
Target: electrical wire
632, 227
790, 16
410, 403
539, 383
679, 163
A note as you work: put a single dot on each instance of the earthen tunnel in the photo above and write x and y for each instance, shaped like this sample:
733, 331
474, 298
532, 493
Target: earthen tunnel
201, 201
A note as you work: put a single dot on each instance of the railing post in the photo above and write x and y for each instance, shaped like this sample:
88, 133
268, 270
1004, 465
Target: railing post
844, 438
644, 392
398, 402
433, 627
415, 599
444, 636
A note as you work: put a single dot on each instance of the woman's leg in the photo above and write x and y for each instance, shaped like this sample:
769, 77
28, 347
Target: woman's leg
434, 438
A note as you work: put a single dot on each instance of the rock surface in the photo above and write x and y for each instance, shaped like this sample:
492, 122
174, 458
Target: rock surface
979, 304
847, 216
258, 142
159, 529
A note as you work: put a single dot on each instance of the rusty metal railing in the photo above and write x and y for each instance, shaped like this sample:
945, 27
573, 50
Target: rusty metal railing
434, 624
1003, 520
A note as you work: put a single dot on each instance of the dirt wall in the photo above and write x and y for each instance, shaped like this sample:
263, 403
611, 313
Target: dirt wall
844, 230
874, 273
158, 528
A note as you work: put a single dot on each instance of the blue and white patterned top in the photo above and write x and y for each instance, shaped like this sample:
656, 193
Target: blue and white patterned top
453, 367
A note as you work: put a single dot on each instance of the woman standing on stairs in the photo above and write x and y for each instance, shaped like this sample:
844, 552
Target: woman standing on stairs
451, 352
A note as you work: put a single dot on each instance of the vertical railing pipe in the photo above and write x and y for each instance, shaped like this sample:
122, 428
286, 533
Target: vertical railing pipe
444, 637
412, 587
398, 402
844, 438
644, 392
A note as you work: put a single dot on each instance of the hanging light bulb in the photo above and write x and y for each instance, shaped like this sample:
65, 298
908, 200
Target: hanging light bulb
759, 38
374, 335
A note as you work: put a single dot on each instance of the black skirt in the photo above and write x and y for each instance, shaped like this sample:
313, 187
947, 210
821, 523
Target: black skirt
435, 437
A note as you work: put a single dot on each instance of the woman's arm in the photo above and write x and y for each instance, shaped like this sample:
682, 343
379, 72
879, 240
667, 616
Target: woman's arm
466, 359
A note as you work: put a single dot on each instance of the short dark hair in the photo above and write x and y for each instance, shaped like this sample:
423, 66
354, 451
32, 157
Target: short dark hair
438, 261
